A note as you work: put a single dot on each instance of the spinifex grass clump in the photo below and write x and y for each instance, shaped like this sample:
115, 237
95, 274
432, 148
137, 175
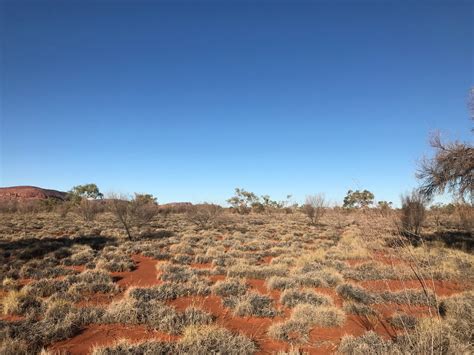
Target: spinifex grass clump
292, 297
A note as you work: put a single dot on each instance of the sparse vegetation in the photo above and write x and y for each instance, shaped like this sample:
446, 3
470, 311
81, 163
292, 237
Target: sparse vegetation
259, 267
413, 213
315, 207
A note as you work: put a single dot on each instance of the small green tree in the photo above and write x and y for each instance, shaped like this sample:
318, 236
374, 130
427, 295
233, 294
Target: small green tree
358, 199
82, 199
269, 204
243, 200
89, 191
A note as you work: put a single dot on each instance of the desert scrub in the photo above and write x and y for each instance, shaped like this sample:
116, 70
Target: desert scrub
230, 287
403, 321
46, 287
292, 297
351, 292
281, 283
251, 304
458, 312
80, 255
377, 271
92, 281
154, 314
172, 290
322, 316
183, 259
175, 273
350, 246
123, 347
212, 339
359, 309
281, 259
181, 248
290, 331
10, 346
21, 304
416, 297
59, 321
256, 271
40, 269
114, 263
202, 259
369, 343
325, 277
10, 284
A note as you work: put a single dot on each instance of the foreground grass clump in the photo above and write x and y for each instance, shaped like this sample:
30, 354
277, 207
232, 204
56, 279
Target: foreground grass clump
61, 320
125, 348
370, 342
256, 271
304, 317
198, 340
22, 304
251, 304
290, 331
155, 314
213, 339
292, 297
351, 292
322, 316
230, 287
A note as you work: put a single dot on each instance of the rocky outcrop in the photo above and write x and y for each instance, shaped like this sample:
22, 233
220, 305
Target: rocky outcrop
30, 193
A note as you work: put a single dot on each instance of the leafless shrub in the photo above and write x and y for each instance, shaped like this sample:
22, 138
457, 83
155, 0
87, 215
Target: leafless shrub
143, 208
119, 206
88, 209
63, 208
8, 206
315, 207
413, 213
466, 216
204, 216
133, 213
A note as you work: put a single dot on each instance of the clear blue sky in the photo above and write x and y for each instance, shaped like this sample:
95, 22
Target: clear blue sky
187, 100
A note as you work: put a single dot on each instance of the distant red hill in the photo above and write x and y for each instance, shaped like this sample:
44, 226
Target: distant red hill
30, 193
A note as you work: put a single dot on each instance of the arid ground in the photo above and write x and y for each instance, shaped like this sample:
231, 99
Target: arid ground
256, 283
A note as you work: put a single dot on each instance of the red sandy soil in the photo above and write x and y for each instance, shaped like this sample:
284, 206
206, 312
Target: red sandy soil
24, 282
321, 340
29, 193
145, 274
215, 278
441, 288
11, 318
259, 286
389, 309
253, 327
266, 260
378, 257
354, 325
332, 293
107, 334
387, 259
